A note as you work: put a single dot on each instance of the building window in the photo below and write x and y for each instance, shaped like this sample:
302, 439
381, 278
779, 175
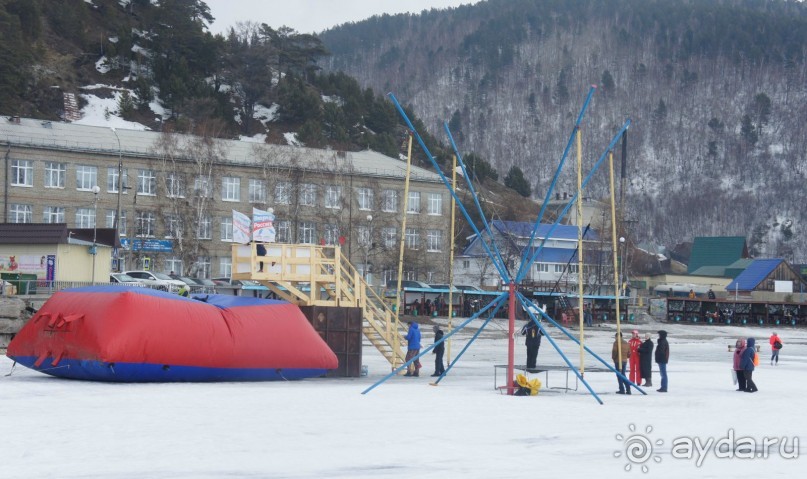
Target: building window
435, 204
145, 223
306, 232
333, 196
257, 191
365, 198
173, 226
559, 268
434, 240
331, 234
230, 188
283, 193
308, 194
413, 206
204, 230
173, 264
226, 228
412, 238
541, 267
112, 180
21, 213
146, 183
53, 214
174, 185
202, 187
283, 231
110, 221
55, 174
390, 237
85, 218
225, 266
86, 177
22, 173
466, 264
389, 201
202, 267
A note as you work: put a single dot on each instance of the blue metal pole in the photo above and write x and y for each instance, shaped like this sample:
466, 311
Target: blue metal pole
493, 303
525, 301
473, 338
555, 180
574, 197
474, 195
500, 267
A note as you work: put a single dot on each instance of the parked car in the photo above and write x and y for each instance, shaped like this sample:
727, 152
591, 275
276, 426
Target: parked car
208, 285
196, 285
125, 280
257, 289
158, 280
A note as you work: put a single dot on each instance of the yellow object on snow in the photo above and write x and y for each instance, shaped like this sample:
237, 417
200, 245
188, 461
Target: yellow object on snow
534, 385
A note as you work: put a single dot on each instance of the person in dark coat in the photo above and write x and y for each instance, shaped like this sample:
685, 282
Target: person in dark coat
646, 360
261, 250
739, 349
533, 334
438, 352
747, 365
662, 358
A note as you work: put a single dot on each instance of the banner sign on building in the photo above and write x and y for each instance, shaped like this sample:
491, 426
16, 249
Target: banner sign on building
27, 264
50, 274
155, 245
263, 225
241, 228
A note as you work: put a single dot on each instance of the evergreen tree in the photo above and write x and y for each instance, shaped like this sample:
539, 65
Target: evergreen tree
515, 180
747, 131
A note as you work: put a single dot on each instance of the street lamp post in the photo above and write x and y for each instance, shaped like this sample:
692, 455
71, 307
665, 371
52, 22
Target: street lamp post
95, 190
115, 222
368, 245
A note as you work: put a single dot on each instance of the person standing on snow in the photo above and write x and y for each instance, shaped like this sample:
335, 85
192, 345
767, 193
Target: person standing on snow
413, 349
438, 351
646, 360
533, 342
634, 344
739, 348
620, 346
662, 358
747, 365
776, 345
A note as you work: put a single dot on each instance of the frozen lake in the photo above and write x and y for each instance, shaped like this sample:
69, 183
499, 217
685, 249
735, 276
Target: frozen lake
407, 428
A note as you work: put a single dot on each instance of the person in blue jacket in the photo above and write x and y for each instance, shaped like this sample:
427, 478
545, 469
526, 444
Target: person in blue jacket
747, 365
413, 349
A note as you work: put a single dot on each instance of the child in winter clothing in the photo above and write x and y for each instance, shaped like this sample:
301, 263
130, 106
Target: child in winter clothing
413, 349
739, 348
774, 350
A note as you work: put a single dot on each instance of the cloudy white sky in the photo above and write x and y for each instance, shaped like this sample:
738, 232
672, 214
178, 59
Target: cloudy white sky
311, 16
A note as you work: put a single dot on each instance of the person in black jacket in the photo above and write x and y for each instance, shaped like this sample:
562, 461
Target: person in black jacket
533, 334
662, 358
261, 250
438, 352
747, 365
646, 360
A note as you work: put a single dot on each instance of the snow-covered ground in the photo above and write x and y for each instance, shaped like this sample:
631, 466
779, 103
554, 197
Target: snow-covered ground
407, 428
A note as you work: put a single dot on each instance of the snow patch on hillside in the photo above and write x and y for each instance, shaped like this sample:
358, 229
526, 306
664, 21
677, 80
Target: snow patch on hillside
104, 111
265, 114
257, 138
102, 65
291, 139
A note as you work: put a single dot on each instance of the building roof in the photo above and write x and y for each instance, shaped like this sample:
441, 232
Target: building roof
716, 251
135, 143
754, 274
53, 233
523, 229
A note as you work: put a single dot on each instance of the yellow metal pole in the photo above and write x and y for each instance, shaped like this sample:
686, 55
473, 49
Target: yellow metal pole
451, 256
580, 280
403, 238
617, 286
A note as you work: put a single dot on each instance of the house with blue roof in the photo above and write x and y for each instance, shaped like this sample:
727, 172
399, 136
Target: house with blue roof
556, 260
767, 279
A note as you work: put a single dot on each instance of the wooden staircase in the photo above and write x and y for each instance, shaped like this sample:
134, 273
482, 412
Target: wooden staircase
322, 276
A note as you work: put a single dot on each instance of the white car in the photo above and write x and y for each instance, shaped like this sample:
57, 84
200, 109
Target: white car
156, 280
125, 280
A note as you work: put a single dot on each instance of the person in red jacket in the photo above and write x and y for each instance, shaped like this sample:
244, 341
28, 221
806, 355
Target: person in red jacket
776, 345
634, 343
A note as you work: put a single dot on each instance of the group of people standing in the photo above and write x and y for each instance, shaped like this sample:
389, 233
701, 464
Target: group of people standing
746, 360
639, 354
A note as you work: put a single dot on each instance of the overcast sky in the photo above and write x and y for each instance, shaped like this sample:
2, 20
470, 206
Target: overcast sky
312, 16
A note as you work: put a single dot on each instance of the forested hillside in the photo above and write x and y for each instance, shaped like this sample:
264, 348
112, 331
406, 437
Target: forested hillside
715, 90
